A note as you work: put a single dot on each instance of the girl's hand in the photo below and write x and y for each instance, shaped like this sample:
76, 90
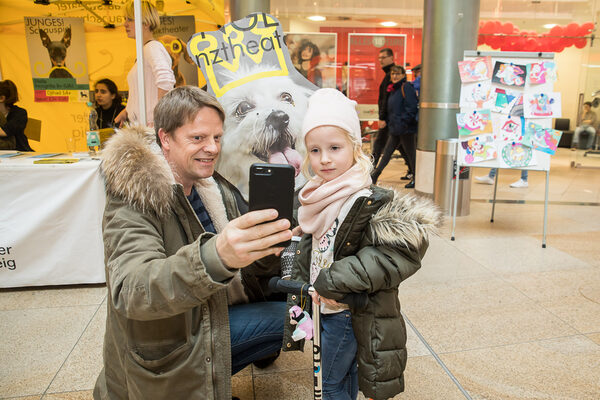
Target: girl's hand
121, 118
297, 231
318, 299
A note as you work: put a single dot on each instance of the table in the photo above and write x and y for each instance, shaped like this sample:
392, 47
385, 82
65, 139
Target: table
51, 222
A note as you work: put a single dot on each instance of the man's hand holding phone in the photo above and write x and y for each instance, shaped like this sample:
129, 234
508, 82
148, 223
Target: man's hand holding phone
251, 237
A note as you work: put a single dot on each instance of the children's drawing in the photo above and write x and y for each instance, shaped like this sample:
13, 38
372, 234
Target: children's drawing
512, 129
542, 72
509, 74
474, 123
475, 70
478, 148
517, 108
516, 155
477, 95
537, 105
540, 138
505, 100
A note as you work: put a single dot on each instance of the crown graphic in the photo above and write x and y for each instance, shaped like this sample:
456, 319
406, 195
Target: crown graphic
239, 52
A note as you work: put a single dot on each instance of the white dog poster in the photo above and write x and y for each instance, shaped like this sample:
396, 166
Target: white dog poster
248, 68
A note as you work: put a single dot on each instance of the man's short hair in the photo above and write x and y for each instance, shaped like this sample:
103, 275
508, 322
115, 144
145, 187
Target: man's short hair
588, 103
417, 68
388, 51
180, 106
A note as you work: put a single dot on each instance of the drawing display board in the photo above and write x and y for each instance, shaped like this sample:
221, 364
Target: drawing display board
507, 104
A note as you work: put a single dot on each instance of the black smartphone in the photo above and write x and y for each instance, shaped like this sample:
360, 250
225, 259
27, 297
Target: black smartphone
272, 186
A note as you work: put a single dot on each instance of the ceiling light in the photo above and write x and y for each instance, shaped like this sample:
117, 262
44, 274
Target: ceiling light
317, 18
549, 26
389, 23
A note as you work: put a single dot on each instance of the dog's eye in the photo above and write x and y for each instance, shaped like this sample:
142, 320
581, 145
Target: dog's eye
285, 96
243, 108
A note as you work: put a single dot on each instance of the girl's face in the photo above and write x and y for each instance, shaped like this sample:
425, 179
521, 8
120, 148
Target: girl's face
104, 97
396, 76
307, 53
330, 152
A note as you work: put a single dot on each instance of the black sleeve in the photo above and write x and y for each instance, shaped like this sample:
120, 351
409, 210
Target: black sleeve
15, 122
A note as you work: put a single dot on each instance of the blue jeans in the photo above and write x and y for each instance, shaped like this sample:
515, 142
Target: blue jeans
256, 331
524, 173
338, 349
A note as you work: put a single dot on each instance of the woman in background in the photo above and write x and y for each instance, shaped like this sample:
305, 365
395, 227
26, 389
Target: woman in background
108, 103
308, 57
158, 75
12, 132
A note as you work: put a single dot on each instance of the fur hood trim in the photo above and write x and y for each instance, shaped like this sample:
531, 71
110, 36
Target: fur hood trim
135, 170
405, 221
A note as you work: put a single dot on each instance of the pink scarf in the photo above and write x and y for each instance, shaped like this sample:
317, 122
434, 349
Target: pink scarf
322, 201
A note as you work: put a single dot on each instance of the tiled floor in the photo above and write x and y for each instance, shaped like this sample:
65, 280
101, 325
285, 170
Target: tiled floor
496, 315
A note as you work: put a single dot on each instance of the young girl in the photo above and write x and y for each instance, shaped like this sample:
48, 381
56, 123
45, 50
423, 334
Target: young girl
357, 238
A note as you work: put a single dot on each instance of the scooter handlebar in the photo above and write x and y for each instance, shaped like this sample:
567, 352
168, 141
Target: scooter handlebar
357, 301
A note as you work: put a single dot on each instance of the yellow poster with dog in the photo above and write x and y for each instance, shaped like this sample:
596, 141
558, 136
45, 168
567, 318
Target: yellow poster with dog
58, 59
248, 68
174, 32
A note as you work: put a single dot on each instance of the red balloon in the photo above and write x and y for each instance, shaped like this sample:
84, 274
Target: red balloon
580, 43
572, 29
497, 27
556, 32
585, 29
507, 28
480, 40
487, 27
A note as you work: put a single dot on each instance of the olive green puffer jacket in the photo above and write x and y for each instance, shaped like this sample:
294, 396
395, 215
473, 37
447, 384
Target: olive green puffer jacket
380, 243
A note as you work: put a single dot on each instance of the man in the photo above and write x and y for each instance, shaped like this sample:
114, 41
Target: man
588, 125
386, 60
417, 78
181, 315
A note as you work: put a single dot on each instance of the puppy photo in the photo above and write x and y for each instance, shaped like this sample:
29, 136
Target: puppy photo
176, 48
263, 121
57, 50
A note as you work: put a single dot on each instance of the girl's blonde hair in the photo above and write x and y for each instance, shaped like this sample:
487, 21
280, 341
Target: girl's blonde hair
360, 158
149, 14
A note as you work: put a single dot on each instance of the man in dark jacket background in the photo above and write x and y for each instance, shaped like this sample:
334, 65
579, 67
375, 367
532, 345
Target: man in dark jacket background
386, 60
186, 274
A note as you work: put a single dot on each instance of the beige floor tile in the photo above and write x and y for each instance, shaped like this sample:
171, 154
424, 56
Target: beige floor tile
424, 379
582, 245
561, 368
37, 397
289, 385
242, 386
579, 312
56, 296
414, 345
487, 325
517, 254
80, 370
78, 395
35, 343
595, 337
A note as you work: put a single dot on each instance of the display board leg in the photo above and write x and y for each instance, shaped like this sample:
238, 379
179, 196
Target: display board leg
494, 199
546, 209
455, 205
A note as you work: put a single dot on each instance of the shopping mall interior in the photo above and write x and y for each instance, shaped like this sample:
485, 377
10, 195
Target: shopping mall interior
506, 304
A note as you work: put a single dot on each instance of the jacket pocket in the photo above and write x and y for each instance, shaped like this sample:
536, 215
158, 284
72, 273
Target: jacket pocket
162, 365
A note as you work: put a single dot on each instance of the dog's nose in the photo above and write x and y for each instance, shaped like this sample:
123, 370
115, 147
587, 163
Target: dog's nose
278, 120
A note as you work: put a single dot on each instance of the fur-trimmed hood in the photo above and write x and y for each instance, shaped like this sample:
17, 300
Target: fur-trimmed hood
406, 220
136, 170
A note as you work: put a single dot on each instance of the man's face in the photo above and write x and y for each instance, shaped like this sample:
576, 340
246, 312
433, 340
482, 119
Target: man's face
385, 59
193, 148
586, 108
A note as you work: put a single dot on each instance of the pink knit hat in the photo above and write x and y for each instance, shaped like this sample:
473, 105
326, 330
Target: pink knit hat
331, 107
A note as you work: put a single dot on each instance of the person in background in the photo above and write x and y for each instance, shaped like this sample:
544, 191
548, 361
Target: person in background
108, 103
12, 131
186, 273
158, 75
402, 124
417, 79
588, 124
489, 179
308, 57
356, 238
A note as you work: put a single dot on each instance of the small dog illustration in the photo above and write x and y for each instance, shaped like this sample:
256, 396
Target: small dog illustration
175, 47
263, 120
57, 50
